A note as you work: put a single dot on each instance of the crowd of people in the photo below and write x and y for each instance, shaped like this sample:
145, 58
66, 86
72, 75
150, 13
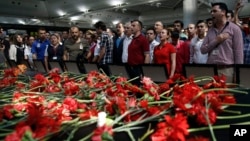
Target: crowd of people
220, 40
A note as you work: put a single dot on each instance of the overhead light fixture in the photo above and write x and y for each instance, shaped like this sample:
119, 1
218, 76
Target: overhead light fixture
124, 10
21, 22
158, 4
115, 22
116, 2
74, 18
61, 13
94, 21
83, 9
35, 20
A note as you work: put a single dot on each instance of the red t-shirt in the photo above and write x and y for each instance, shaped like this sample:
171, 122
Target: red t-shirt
163, 55
136, 49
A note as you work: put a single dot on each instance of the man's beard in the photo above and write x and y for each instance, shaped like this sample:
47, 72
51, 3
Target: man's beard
75, 37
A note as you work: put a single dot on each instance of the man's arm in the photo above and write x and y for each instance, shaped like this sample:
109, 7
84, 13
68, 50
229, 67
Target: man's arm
238, 46
147, 58
102, 53
207, 46
33, 51
65, 55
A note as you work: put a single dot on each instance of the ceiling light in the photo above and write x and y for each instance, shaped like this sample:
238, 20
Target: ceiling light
21, 22
115, 22
35, 20
61, 13
158, 4
74, 18
82, 8
124, 10
95, 20
116, 2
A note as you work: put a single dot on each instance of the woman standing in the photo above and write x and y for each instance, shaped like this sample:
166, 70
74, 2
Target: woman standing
94, 48
165, 52
16, 51
54, 52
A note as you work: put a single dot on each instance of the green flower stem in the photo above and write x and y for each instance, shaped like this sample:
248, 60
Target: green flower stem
87, 137
232, 112
191, 130
203, 78
218, 89
199, 79
159, 102
207, 105
236, 104
149, 132
233, 117
166, 92
85, 101
135, 123
132, 138
130, 80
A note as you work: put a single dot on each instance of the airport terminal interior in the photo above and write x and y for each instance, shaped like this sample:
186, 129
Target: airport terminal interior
124, 70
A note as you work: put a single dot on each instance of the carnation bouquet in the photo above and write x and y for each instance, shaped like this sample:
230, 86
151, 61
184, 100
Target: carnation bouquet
93, 106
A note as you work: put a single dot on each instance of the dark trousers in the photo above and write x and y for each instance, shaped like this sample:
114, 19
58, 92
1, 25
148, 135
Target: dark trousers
135, 71
104, 68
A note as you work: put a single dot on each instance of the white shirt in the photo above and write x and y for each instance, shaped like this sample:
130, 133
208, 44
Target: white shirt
27, 52
195, 53
97, 48
126, 42
152, 46
13, 52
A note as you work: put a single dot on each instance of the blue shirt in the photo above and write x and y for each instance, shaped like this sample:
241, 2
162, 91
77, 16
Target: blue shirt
39, 47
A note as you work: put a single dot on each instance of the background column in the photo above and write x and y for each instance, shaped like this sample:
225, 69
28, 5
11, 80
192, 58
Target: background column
189, 12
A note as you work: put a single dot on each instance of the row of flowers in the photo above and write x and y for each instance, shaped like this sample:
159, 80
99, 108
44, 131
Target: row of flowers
45, 106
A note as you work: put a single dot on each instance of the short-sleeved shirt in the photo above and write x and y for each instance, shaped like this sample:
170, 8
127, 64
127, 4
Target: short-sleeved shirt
136, 50
106, 41
163, 55
74, 49
39, 47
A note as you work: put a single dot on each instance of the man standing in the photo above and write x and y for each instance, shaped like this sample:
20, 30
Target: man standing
75, 48
196, 57
178, 27
39, 45
223, 43
191, 30
75, 45
138, 51
106, 47
117, 50
150, 35
126, 42
158, 28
